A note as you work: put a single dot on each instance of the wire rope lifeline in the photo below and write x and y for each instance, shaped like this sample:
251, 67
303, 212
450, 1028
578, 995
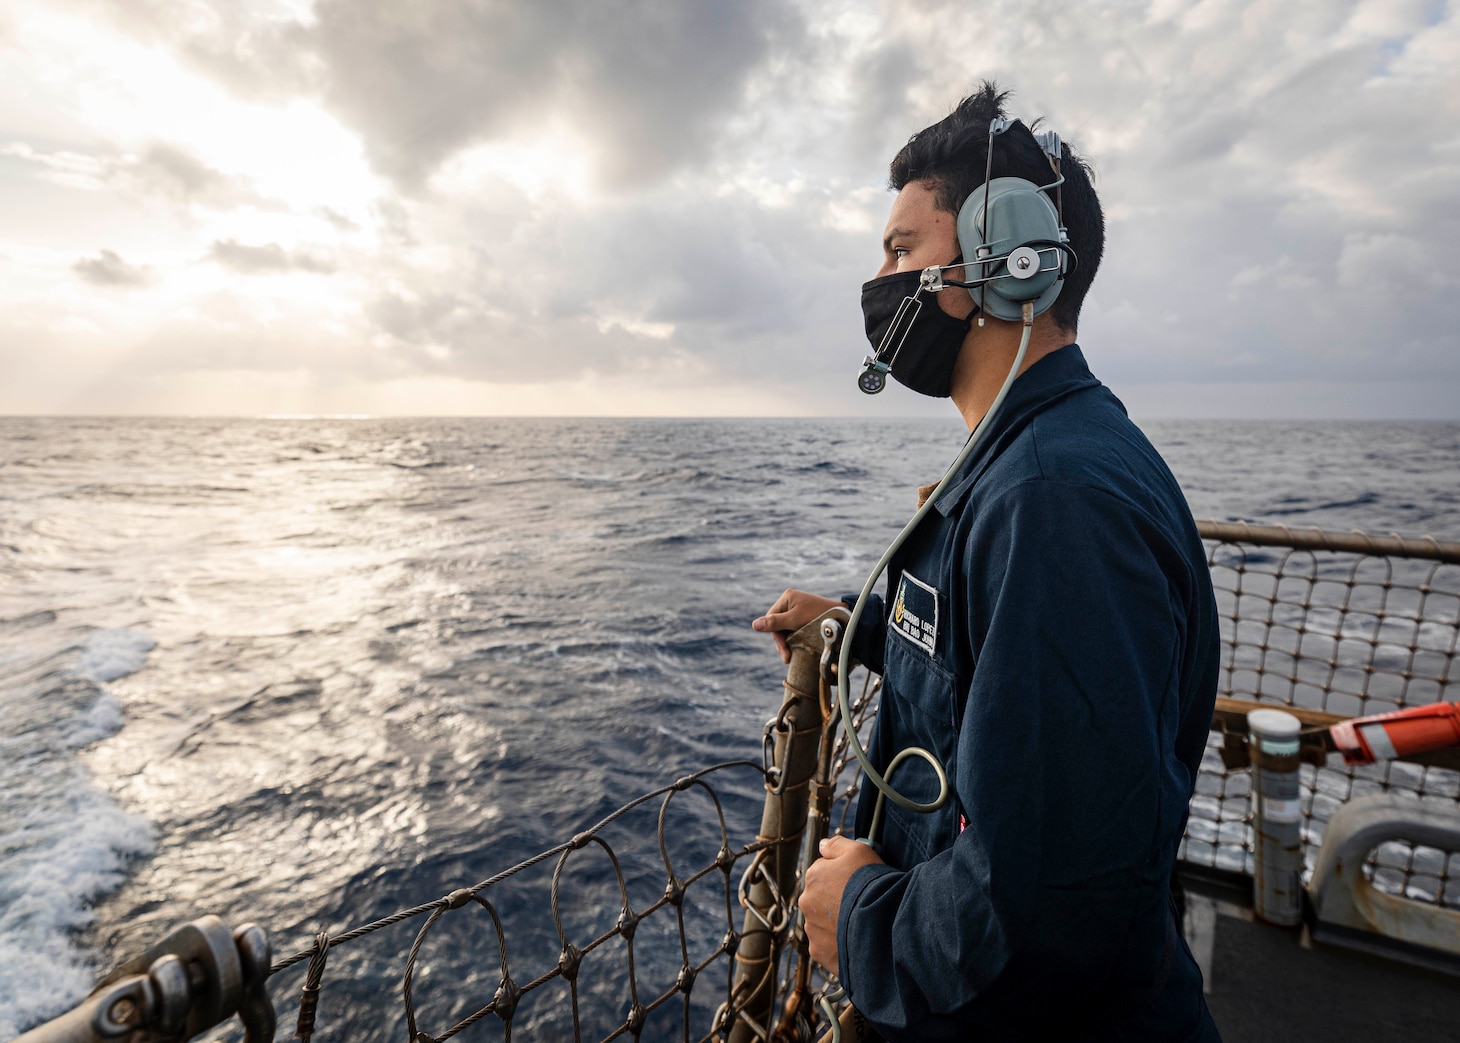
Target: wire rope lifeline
883, 785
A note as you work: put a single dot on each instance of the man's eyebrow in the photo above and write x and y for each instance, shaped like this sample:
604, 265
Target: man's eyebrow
895, 233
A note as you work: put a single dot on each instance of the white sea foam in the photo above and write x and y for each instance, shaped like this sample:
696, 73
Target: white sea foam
102, 719
65, 843
107, 655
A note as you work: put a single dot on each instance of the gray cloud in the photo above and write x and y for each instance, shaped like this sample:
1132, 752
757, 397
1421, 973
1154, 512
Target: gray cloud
1282, 181
161, 170
1316, 232
644, 81
246, 47
108, 269
173, 171
878, 121
674, 275
266, 258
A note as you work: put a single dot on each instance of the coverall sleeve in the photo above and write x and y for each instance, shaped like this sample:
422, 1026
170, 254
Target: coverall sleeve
1058, 770
871, 631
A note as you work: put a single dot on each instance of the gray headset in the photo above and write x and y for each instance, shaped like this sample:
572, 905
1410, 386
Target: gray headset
1014, 245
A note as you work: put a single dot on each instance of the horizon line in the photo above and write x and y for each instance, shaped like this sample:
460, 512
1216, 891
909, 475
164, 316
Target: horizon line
952, 418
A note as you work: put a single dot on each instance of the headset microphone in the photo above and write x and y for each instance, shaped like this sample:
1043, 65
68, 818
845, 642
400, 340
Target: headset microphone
874, 377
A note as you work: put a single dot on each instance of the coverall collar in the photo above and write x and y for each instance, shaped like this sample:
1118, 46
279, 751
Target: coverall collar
1059, 374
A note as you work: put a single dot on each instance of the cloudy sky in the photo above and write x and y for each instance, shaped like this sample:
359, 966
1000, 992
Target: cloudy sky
666, 207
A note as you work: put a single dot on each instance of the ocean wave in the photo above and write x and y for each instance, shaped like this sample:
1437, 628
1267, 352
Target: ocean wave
66, 853
418, 651
64, 843
107, 655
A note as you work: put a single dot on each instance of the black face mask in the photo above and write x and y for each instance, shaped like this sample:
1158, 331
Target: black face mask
924, 339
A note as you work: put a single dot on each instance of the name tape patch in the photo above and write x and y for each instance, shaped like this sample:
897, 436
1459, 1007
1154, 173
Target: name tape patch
915, 612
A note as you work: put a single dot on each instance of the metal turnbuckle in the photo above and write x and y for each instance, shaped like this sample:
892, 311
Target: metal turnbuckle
197, 977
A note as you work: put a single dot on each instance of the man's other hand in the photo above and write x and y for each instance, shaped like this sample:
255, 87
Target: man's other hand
792, 611
821, 901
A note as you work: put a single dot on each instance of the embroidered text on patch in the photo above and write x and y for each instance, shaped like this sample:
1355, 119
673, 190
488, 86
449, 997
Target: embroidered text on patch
915, 612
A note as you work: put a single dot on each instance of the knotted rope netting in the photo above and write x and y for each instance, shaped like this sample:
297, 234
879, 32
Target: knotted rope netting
1340, 624
1321, 622
516, 984
761, 960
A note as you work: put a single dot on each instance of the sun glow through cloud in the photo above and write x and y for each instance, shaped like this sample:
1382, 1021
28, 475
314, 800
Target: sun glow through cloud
513, 206
293, 154
550, 163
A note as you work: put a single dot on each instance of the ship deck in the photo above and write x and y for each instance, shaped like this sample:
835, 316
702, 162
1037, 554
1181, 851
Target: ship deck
1267, 983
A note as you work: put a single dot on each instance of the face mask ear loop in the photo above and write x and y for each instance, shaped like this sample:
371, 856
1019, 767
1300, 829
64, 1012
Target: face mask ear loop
844, 665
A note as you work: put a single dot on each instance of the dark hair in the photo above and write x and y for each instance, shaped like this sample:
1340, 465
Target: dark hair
950, 156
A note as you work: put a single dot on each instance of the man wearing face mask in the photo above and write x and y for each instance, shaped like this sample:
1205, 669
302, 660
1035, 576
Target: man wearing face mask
1049, 634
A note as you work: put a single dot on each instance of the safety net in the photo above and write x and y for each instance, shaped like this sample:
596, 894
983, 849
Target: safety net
1338, 625
672, 919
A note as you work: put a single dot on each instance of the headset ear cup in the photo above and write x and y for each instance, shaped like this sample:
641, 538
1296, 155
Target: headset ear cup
1021, 219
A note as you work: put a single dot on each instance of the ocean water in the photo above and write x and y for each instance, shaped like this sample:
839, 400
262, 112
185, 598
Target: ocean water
307, 672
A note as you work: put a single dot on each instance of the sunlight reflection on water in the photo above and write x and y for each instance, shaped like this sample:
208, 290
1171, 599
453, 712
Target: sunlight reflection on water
393, 657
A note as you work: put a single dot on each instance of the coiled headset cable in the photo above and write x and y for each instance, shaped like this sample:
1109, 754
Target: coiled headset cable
885, 791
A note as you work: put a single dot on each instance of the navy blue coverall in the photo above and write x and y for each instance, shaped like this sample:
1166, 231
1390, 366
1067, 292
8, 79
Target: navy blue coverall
1050, 635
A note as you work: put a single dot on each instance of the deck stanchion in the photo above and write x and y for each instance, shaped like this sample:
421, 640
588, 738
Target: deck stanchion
1277, 817
796, 730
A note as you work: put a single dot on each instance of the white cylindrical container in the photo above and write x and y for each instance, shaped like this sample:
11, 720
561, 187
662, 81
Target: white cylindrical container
1277, 817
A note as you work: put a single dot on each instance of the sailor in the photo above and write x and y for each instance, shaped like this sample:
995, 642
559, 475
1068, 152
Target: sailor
1049, 634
